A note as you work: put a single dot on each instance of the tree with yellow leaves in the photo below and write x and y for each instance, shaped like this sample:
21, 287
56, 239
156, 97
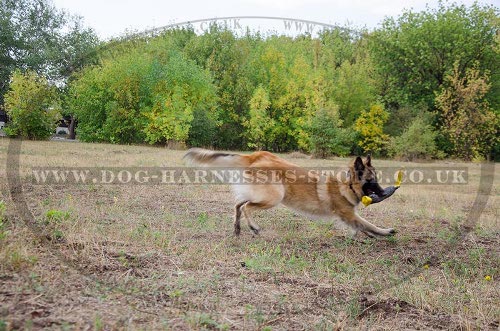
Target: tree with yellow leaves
370, 126
468, 121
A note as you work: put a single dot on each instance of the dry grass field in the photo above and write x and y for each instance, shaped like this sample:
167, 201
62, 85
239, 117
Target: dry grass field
114, 257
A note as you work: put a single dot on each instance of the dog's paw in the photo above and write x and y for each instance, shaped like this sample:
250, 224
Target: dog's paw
255, 230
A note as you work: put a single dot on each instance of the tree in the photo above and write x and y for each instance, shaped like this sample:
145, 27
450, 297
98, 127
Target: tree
353, 89
260, 125
204, 128
327, 137
36, 36
416, 51
182, 88
226, 58
149, 93
32, 105
370, 125
468, 121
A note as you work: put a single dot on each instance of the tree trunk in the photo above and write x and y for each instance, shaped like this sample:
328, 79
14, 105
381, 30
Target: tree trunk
72, 125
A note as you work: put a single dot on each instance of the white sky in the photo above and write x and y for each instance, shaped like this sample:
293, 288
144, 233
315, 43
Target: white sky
111, 18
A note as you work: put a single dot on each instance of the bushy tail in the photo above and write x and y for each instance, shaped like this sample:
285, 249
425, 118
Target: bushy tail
198, 156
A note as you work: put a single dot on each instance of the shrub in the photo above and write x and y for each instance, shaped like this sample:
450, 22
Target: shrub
32, 105
416, 141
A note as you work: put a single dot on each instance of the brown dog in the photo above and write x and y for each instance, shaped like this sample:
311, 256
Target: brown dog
296, 188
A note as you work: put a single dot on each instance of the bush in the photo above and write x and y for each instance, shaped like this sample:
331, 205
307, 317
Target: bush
32, 105
327, 137
416, 141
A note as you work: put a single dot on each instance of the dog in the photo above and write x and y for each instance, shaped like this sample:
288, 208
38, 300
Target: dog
297, 188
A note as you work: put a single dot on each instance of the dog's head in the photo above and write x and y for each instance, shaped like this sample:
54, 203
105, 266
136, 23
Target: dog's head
363, 175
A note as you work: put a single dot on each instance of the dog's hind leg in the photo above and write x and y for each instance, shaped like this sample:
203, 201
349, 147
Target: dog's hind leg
247, 211
237, 217
250, 207
256, 197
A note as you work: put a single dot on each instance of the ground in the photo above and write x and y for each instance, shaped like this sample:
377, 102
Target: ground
110, 257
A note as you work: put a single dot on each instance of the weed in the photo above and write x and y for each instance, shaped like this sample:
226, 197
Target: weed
202, 219
98, 324
392, 240
451, 234
476, 256
17, 259
353, 308
255, 314
54, 216
28, 324
3, 231
3, 208
204, 320
58, 234
176, 293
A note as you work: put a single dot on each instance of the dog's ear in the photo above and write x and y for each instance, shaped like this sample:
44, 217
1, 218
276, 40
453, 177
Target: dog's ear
369, 160
359, 167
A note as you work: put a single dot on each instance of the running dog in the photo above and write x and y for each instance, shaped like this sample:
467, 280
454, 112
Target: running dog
299, 189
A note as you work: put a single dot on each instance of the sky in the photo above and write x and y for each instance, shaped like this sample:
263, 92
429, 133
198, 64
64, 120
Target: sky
112, 18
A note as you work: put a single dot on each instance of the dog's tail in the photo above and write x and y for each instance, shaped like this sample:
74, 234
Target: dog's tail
198, 156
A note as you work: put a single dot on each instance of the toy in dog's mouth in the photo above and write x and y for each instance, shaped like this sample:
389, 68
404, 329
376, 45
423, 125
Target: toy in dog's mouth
372, 188
374, 193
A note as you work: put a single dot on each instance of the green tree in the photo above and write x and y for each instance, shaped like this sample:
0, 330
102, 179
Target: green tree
353, 89
227, 59
87, 99
32, 105
204, 128
182, 89
327, 137
468, 121
370, 126
144, 94
106, 100
37, 36
288, 74
340, 45
416, 51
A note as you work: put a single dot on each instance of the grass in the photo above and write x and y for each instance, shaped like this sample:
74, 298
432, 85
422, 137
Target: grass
164, 257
